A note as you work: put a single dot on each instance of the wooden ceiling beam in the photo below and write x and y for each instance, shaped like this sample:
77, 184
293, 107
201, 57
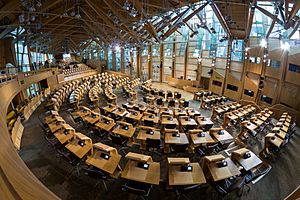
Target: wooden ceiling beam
220, 18
123, 26
250, 19
148, 25
294, 10
272, 16
271, 26
176, 24
50, 5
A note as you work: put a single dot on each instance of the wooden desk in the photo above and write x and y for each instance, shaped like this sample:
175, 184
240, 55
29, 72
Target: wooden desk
120, 112
277, 141
83, 112
55, 127
78, 150
250, 126
91, 119
246, 163
204, 123
166, 121
154, 118
192, 112
136, 116
153, 110
224, 138
105, 124
135, 173
49, 119
258, 122
119, 130
110, 165
143, 135
109, 108
166, 111
179, 112
197, 140
170, 139
178, 177
63, 137
223, 172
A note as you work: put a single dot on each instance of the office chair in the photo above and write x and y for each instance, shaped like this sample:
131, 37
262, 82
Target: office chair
124, 106
152, 144
97, 174
153, 92
169, 94
149, 123
159, 101
139, 189
207, 150
120, 141
188, 127
179, 148
161, 93
186, 103
145, 100
170, 126
182, 191
171, 103
102, 111
131, 121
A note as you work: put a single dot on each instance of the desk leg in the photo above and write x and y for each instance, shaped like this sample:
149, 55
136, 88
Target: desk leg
166, 148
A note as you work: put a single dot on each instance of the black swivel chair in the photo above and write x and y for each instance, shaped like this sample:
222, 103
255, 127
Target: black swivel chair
178, 96
169, 94
186, 104
149, 123
139, 189
170, 126
179, 148
171, 103
120, 141
182, 191
161, 93
96, 173
159, 101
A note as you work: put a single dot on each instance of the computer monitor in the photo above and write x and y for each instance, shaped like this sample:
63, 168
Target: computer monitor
143, 165
169, 118
201, 134
186, 168
247, 155
151, 116
221, 132
105, 156
66, 131
125, 127
149, 131
222, 163
81, 143
175, 135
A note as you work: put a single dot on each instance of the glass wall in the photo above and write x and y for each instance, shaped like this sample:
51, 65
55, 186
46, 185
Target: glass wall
118, 60
134, 63
127, 63
155, 62
22, 56
144, 62
167, 62
109, 59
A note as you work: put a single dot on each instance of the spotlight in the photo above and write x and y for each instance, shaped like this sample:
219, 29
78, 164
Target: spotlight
263, 43
284, 46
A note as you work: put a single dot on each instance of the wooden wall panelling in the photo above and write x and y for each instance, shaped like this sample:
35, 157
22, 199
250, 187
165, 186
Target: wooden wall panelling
216, 78
290, 95
149, 61
16, 180
161, 66
270, 90
252, 86
231, 80
293, 77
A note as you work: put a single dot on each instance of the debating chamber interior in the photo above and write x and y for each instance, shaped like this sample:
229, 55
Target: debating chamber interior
149, 99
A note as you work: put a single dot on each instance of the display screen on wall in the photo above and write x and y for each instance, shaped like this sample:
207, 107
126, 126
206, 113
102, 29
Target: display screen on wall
232, 87
248, 93
266, 99
275, 64
294, 68
217, 83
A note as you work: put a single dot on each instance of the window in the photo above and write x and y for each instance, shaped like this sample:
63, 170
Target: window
248, 93
232, 87
237, 53
118, 60
217, 83
266, 99
294, 68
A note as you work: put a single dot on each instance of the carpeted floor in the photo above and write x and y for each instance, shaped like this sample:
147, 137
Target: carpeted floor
41, 158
